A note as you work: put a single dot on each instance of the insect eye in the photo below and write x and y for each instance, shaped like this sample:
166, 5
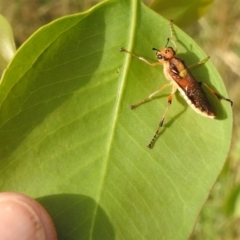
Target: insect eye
159, 56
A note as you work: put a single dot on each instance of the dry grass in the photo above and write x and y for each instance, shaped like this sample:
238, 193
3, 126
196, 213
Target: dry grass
218, 33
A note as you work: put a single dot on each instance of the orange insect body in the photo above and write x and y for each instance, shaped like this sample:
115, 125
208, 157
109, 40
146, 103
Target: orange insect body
181, 79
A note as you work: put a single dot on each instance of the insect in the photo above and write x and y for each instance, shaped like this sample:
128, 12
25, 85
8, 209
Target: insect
180, 79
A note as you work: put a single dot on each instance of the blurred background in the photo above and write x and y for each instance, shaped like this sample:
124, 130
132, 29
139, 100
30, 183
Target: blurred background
218, 33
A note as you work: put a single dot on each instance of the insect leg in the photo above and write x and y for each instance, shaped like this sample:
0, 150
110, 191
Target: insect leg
149, 97
150, 145
140, 58
209, 88
199, 63
172, 35
215, 93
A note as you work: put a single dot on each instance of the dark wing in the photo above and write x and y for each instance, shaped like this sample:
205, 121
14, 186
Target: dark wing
190, 88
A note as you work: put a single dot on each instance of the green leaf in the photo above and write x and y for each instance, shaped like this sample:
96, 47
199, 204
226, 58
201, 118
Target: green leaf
69, 138
183, 12
231, 205
7, 45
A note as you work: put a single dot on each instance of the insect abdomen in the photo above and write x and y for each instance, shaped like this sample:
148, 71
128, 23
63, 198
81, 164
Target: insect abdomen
196, 98
189, 88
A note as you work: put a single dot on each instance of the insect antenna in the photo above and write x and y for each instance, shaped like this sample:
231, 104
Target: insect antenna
167, 42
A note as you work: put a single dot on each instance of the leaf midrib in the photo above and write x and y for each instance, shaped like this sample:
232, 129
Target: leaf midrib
121, 87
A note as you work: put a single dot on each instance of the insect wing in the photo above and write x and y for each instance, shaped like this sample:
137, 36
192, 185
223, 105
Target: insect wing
189, 88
